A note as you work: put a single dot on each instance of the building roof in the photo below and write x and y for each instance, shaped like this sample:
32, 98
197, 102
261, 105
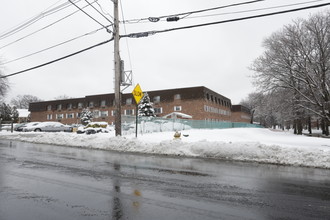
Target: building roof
23, 113
167, 95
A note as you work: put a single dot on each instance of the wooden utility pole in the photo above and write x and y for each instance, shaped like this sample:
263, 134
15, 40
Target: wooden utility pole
117, 69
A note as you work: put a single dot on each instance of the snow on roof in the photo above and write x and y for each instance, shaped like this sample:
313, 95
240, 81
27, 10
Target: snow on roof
23, 113
175, 114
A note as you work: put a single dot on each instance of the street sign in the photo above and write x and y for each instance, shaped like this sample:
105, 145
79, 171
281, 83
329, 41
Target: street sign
137, 93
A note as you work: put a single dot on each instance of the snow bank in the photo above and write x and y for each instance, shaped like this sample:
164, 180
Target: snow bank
241, 144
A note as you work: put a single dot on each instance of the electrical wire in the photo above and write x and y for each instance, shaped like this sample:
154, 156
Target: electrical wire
33, 20
99, 12
43, 28
56, 60
254, 10
100, 6
54, 46
148, 33
193, 12
128, 50
90, 16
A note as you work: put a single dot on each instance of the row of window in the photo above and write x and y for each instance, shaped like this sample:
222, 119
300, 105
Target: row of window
96, 114
103, 103
216, 110
80, 105
217, 100
103, 114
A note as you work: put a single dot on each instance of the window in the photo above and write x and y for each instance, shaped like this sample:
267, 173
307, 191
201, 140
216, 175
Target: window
156, 99
104, 114
177, 96
49, 107
129, 112
113, 113
91, 104
103, 102
129, 101
158, 110
59, 116
78, 114
49, 117
59, 106
96, 113
80, 105
177, 108
69, 106
70, 115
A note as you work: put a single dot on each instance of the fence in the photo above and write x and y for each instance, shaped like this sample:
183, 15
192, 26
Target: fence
164, 124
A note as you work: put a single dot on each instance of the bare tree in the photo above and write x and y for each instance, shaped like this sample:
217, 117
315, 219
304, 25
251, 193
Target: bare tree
61, 97
23, 101
4, 85
297, 59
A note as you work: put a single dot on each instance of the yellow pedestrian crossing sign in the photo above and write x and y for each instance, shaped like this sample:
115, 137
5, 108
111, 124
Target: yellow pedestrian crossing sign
137, 93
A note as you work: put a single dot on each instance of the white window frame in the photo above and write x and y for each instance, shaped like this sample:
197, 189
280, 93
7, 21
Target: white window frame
49, 116
177, 108
104, 114
156, 99
70, 115
96, 114
129, 101
128, 111
59, 116
160, 110
177, 96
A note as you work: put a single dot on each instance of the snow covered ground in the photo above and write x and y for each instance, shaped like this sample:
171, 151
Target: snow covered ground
240, 144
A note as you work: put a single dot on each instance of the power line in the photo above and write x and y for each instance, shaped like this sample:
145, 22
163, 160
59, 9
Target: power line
155, 19
99, 12
34, 19
100, 6
258, 9
128, 51
148, 33
48, 48
43, 28
56, 60
89, 16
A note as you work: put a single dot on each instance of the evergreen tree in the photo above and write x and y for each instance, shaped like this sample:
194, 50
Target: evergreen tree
86, 116
8, 113
145, 107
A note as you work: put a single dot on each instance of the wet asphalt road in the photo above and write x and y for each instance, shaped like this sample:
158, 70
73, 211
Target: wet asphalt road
52, 182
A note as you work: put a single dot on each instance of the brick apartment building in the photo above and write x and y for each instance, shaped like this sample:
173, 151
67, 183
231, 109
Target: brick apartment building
200, 103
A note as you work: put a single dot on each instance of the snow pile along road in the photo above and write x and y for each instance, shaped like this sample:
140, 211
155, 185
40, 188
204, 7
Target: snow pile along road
241, 144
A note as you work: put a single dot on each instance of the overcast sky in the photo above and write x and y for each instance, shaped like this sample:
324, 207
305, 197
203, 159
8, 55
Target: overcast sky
216, 56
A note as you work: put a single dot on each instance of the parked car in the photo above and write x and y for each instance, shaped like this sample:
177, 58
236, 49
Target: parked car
19, 127
48, 127
25, 125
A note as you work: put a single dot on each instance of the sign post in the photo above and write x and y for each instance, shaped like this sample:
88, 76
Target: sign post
138, 95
